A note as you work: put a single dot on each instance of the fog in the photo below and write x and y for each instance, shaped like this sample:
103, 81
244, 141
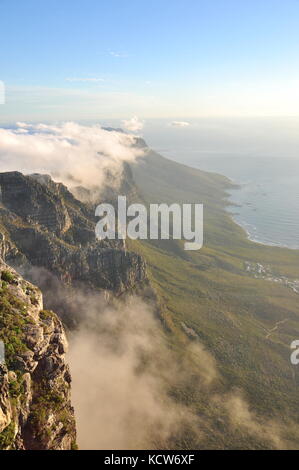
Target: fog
71, 153
132, 390
125, 379
122, 374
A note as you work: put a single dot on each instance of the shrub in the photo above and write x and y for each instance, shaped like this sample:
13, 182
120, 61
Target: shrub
7, 276
7, 436
46, 314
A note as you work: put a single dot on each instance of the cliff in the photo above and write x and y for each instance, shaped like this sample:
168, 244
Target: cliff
48, 235
42, 225
35, 406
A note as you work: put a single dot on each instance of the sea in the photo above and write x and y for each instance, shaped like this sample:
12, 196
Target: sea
262, 157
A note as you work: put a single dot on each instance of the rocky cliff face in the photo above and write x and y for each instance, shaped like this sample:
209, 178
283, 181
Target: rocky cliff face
49, 235
35, 406
43, 225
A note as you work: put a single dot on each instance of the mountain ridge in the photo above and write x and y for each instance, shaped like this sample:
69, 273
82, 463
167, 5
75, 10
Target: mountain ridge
43, 226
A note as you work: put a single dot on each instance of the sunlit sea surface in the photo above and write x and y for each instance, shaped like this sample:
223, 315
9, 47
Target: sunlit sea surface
268, 197
269, 186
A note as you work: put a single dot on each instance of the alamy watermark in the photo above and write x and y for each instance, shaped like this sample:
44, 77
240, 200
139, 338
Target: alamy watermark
160, 221
2, 92
295, 353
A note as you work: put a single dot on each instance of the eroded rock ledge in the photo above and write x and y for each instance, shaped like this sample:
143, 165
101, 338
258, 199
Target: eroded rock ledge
43, 225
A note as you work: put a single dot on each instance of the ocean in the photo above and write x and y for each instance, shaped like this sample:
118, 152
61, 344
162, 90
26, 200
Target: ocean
268, 197
266, 169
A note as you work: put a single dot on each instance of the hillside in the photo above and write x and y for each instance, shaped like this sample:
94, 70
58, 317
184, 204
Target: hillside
238, 299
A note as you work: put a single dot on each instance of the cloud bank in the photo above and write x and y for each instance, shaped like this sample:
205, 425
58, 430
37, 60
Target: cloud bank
120, 368
73, 154
134, 124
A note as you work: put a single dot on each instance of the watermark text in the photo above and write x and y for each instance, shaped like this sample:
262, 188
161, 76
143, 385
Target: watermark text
158, 222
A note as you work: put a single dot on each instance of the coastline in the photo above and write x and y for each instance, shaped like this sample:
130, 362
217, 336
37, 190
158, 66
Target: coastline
253, 237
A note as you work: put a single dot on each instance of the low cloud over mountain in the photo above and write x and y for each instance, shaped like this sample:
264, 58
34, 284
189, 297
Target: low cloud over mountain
69, 152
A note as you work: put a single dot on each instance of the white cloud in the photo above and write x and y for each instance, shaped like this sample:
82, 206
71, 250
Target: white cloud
70, 153
179, 124
119, 55
134, 124
87, 79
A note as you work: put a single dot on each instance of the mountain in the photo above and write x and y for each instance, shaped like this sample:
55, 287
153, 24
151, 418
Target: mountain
35, 405
49, 236
238, 299
227, 313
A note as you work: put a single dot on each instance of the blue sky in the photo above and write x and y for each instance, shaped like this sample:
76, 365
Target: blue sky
88, 59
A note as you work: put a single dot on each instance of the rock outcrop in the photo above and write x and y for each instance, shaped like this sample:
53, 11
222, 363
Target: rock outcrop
35, 405
42, 224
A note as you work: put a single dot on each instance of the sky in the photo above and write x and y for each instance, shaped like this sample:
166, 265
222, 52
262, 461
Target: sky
174, 59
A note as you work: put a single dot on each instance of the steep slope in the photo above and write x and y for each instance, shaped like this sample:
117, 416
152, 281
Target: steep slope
35, 404
220, 297
44, 227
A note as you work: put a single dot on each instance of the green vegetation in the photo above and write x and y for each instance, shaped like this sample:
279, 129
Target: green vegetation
230, 310
45, 401
7, 276
16, 387
7, 437
46, 315
13, 319
48, 396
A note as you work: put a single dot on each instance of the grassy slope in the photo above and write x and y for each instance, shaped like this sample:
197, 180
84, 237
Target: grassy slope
212, 293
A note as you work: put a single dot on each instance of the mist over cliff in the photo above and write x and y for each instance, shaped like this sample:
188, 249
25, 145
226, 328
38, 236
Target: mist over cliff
122, 375
130, 387
71, 153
